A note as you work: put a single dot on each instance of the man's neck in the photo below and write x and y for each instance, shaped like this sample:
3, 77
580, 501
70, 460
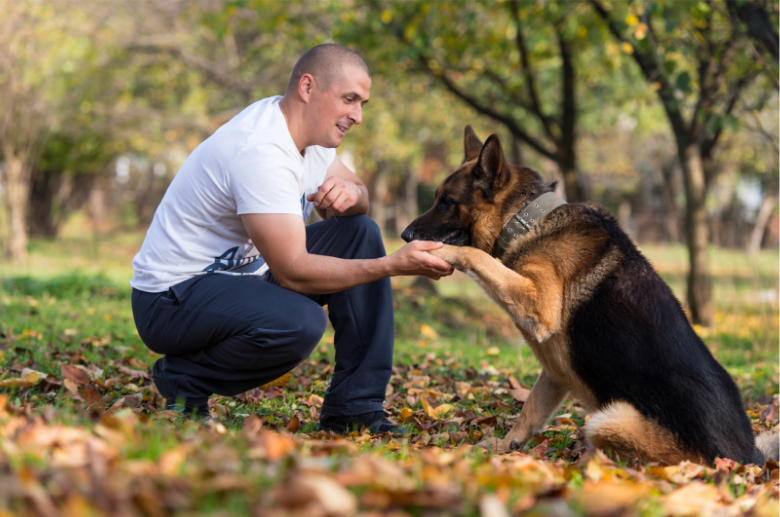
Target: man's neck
289, 117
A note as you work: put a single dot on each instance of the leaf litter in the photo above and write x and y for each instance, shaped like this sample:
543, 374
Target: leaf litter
91, 439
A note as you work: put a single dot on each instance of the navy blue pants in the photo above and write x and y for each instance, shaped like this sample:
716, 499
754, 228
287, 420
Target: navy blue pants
228, 334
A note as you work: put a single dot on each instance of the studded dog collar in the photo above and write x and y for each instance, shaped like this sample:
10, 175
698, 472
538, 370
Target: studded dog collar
522, 222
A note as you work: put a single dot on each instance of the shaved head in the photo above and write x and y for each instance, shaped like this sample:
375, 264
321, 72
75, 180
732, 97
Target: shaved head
326, 63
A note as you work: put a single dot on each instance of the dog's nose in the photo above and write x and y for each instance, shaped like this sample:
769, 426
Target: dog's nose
409, 234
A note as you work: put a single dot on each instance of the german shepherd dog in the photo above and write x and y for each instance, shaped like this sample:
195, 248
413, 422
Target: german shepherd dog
599, 319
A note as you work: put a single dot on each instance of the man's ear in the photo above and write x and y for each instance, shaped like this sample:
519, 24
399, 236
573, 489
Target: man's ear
305, 87
471, 143
491, 170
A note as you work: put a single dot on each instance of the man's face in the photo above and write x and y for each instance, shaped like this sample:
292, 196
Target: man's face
339, 107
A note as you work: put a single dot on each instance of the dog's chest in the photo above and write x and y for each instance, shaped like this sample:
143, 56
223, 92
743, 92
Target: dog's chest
553, 354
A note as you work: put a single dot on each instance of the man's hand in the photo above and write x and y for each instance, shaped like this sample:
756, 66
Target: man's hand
414, 259
336, 196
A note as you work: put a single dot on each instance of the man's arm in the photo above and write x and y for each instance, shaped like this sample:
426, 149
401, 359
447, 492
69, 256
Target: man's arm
341, 194
281, 240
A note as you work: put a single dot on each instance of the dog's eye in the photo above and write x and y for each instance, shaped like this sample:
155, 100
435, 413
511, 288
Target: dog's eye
445, 203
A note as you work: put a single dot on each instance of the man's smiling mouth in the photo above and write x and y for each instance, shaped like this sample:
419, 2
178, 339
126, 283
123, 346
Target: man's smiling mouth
343, 129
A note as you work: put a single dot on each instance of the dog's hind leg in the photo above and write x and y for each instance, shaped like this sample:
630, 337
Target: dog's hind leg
545, 396
621, 428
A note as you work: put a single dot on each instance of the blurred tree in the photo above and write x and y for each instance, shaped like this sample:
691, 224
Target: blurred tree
63, 177
699, 64
517, 63
29, 33
52, 79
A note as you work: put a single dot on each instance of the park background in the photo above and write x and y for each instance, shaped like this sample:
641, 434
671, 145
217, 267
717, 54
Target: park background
664, 112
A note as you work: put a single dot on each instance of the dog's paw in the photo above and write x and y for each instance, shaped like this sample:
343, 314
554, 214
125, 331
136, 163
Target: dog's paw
450, 254
497, 445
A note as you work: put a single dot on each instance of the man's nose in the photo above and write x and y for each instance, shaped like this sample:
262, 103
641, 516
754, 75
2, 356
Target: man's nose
357, 115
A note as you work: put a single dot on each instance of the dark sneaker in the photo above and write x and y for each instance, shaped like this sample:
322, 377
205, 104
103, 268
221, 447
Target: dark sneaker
159, 383
376, 423
198, 414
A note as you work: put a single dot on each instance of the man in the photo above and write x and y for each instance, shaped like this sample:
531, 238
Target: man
229, 282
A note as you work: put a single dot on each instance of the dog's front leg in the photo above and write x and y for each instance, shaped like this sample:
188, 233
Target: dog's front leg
533, 299
545, 396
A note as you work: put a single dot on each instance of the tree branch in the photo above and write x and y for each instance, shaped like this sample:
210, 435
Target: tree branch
568, 92
652, 73
528, 71
487, 110
708, 143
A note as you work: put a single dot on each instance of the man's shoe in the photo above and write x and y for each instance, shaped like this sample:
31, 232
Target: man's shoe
159, 383
198, 414
376, 423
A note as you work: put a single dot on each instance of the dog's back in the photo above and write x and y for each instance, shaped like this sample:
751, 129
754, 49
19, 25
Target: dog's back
630, 341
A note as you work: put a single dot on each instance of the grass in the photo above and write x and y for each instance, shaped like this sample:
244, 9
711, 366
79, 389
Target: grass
70, 304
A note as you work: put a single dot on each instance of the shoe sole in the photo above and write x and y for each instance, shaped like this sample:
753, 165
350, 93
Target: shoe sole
346, 430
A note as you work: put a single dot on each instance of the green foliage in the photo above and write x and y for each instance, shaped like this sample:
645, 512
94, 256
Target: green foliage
456, 345
78, 284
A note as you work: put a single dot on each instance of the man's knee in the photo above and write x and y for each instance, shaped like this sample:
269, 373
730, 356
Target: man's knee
312, 324
360, 224
364, 230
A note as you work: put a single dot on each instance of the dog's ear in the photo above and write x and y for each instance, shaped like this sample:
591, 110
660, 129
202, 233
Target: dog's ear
491, 170
471, 143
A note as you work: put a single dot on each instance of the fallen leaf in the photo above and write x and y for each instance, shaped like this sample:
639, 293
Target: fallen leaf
71, 386
284, 380
314, 401
725, 464
405, 414
435, 413
134, 374
302, 489
540, 451
31, 378
491, 506
75, 375
691, 499
91, 397
428, 331
769, 414
273, 446
611, 497
293, 425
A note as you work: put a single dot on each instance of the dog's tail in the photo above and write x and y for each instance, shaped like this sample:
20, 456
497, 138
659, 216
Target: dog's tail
768, 444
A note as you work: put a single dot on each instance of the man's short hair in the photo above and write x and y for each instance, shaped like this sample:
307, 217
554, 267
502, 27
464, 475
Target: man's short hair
325, 63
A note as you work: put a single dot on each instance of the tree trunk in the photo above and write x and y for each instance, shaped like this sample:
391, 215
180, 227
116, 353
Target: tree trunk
699, 282
768, 205
572, 185
406, 202
43, 188
378, 206
670, 206
97, 208
517, 151
17, 200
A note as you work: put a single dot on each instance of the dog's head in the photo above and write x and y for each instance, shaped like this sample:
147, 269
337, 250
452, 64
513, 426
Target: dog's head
475, 201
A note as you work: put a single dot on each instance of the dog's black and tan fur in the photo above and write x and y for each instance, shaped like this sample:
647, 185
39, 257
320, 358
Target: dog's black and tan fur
602, 323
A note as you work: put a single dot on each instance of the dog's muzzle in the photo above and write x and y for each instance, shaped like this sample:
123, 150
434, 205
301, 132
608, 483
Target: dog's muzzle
410, 234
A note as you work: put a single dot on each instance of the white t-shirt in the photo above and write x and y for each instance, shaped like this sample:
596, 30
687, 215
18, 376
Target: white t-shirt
248, 166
